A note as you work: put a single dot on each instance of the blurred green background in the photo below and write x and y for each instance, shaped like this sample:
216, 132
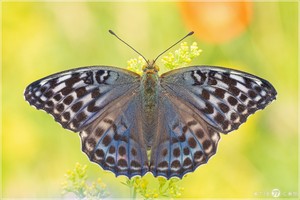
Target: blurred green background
43, 38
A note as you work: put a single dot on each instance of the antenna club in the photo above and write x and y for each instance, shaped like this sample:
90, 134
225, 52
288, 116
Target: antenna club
191, 33
111, 32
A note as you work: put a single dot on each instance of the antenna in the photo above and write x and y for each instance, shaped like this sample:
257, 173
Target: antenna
111, 32
189, 34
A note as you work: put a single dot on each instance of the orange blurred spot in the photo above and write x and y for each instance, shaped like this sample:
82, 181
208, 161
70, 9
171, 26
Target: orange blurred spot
217, 22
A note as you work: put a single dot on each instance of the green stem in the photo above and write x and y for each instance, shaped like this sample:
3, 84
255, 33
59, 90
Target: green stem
133, 192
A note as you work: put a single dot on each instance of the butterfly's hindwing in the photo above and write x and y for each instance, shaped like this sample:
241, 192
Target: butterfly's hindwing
115, 141
183, 142
223, 97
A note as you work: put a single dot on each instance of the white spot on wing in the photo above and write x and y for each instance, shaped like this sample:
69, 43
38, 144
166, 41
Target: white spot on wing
63, 78
59, 87
43, 98
237, 77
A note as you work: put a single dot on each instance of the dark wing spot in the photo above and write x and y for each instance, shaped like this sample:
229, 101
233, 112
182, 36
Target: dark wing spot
89, 78
68, 100
110, 160
174, 140
122, 163
81, 116
57, 97
219, 118
48, 94
192, 142
220, 93
223, 107
43, 89
191, 123
182, 138
92, 108
91, 142
117, 137
95, 93
229, 81
112, 150
100, 77
187, 162
225, 124
60, 107
243, 97
199, 133
175, 164
212, 81
208, 108
206, 144
164, 152
99, 132
122, 151
76, 106
124, 138
252, 94
233, 116
106, 140
66, 115
232, 100
198, 155
66, 90
176, 152
50, 103
80, 92
99, 153
74, 79
108, 121
133, 152
251, 103
234, 90
241, 108
135, 164
186, 151
163, 164
258, 89
205, 94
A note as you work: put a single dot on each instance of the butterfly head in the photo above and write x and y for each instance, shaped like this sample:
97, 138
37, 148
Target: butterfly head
150, 67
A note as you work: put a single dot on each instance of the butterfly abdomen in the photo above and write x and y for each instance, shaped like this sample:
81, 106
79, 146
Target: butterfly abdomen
149, 95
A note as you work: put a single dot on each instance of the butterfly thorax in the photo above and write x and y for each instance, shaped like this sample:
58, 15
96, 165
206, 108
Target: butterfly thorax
149, 94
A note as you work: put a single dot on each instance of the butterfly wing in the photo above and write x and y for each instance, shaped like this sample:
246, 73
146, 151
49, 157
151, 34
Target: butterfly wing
100, 103
77, 97
196, 103
183, 141
115, 140
223, 97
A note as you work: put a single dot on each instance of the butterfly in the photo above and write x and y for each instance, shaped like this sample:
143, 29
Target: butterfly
168, 125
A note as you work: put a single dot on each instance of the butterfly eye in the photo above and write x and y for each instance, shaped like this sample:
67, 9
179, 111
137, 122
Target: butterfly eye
144, 67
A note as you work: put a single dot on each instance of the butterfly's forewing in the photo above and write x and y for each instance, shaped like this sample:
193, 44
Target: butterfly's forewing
183, 141
77, 97
99, 102
224, 98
